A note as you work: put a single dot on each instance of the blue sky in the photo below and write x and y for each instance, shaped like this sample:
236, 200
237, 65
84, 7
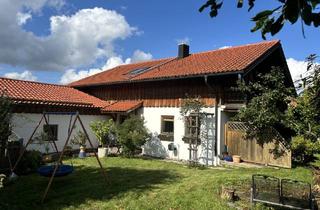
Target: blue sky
58, 41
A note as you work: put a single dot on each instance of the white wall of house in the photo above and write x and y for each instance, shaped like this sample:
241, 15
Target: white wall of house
157, 148
25, 123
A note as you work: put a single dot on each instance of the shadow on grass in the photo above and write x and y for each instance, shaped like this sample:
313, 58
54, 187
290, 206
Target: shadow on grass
86, 183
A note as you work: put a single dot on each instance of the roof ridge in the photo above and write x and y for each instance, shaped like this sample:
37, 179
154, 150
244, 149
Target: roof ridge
238, 46
232, 47
36, 82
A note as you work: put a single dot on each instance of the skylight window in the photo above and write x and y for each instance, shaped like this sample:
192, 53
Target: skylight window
138, 71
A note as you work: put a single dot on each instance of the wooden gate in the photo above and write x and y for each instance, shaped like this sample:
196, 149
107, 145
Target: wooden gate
251, 151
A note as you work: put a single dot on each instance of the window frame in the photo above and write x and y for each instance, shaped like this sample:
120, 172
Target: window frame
166, 136
54, 128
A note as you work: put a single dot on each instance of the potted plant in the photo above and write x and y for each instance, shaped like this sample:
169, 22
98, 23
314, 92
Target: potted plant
80, 139
103, 131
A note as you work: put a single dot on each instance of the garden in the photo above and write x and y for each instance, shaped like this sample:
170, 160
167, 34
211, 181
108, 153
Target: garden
139, 183
136, 182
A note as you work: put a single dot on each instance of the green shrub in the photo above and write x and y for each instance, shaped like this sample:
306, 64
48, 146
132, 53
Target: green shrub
30, 162
303, 149
103, 130
132, 134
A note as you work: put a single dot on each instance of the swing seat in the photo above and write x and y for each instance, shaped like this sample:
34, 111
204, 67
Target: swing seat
63, 170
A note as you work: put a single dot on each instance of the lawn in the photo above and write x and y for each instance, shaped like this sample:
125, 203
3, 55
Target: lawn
137, 184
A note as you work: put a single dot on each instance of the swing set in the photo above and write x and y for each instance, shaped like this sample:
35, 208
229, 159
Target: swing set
58, 169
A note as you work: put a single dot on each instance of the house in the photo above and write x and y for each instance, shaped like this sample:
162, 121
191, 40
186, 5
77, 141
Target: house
31, 99
156, 90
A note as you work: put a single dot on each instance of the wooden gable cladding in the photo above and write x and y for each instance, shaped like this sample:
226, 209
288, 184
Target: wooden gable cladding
168, 93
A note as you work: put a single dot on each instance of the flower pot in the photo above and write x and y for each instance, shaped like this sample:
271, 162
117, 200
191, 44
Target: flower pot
102, 152
82, 153
236, 158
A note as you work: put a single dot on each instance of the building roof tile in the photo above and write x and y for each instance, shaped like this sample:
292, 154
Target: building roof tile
123, 106
233, 59
28, 92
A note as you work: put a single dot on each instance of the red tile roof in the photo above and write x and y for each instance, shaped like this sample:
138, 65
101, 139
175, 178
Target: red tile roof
41, 93
123, 106
27, 92
233, 59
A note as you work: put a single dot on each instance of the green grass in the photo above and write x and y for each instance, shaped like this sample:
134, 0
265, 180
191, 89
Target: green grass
138, 184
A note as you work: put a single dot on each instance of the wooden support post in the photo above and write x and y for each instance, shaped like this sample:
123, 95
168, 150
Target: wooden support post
95, 154
59, 161
27, 144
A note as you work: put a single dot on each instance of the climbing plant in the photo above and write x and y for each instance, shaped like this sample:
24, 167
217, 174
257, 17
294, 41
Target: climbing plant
191, 105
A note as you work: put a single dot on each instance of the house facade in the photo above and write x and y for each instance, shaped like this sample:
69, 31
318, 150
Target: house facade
154, 90
31, 99
157, 89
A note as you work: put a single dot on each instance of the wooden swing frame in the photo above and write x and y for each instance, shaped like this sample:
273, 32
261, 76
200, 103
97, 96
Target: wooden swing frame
44, 117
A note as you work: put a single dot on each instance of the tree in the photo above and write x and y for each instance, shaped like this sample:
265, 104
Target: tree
5, 127
132, 134
304, 114
272, 20
269, 97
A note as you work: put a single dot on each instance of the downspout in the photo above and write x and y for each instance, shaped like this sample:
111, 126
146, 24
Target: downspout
216, 114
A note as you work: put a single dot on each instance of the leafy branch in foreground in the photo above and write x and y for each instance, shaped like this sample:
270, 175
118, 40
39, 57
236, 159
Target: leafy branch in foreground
272, 20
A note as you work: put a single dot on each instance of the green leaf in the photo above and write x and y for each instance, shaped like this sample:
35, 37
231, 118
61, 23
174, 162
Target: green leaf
262, 15
258, 26
251, 4
306, 15
314, 3
240, 3
291, 10
277, 26
316, 19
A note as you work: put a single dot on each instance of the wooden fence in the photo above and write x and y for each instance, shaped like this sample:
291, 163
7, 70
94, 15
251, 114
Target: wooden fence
251, 151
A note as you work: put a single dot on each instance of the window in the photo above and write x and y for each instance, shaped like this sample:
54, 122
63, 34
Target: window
167, 128
52, 131
139, 71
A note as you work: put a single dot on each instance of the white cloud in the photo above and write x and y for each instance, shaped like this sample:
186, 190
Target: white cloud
72, 75
297, 68
225, 47
139, 55
185, 40
58, 4
26, 75
74, 41
22, 18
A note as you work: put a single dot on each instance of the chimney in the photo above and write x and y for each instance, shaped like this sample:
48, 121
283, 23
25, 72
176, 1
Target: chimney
183, 50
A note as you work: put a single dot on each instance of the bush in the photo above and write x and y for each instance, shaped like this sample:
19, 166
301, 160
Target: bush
132, 134
303, 149
103, 131
30, 162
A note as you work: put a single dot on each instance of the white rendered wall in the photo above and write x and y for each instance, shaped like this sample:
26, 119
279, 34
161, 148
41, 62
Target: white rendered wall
157, 148
25, 123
